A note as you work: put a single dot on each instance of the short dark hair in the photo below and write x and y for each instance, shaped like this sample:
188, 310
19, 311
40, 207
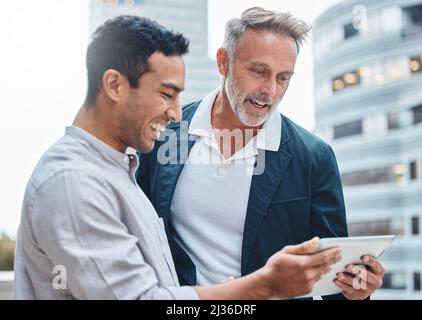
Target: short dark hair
125, 44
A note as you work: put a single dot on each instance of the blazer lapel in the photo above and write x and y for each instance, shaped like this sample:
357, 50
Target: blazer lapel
168, 174
263, 188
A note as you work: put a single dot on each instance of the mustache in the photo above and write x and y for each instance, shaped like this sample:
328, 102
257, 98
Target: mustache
261, 98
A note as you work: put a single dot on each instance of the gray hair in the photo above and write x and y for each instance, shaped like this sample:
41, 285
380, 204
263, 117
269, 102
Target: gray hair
257, 18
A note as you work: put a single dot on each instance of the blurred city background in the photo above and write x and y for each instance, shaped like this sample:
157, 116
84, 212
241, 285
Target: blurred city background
357, 85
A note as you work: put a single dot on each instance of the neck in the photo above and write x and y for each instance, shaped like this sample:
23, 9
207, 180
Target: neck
93, 119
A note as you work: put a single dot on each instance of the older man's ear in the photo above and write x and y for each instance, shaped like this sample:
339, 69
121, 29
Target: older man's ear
222, 61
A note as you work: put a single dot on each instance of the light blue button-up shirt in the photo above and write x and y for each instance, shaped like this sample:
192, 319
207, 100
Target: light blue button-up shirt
85, 220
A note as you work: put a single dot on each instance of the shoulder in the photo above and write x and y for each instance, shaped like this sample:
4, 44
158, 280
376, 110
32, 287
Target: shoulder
303, 142
67, 169
189, 110
65, 161
70, 184
71, 196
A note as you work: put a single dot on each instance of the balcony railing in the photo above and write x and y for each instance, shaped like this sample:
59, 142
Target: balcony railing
6, 285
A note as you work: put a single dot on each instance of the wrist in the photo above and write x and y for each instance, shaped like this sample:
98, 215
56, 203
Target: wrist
264, 285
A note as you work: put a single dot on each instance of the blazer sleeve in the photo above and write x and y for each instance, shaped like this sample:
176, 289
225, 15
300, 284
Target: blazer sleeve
328, 214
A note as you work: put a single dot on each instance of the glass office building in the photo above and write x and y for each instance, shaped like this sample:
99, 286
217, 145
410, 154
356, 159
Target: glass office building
368, 89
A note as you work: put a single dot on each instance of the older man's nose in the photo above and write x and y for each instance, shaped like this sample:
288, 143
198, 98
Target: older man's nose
269, 88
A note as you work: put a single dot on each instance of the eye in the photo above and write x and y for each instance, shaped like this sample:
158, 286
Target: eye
167, 96
283, 78
259, 72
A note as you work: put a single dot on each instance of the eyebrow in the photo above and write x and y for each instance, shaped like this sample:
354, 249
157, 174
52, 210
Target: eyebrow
172, 87
261, 64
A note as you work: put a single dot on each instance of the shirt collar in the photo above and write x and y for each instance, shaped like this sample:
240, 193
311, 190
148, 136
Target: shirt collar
268, 138
100, 146
201, 121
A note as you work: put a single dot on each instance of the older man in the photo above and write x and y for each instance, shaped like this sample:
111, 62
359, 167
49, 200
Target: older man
87, 231
223, 221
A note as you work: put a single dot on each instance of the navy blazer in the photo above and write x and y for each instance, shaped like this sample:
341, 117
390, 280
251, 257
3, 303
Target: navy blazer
298, 196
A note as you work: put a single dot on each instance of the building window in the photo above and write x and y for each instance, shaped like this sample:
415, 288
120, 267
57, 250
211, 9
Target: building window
127, 3
414, 15
391, 18
416, 64
374, 176
394, 281
384, 20
111, 3
417, 114
378, 72
350, 31
323, 89
376, 227
375, 125
415, 226
384, 71
393, 121
413, 170
417, 281
348, 129
349, 79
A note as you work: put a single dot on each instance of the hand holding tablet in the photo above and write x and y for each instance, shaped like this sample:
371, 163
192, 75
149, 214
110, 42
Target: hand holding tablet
352, 250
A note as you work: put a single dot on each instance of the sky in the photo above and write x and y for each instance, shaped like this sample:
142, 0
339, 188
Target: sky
43, 80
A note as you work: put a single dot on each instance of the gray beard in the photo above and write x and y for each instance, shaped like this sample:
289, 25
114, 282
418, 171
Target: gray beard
236, 104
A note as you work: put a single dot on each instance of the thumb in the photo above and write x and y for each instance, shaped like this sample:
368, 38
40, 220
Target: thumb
306, 247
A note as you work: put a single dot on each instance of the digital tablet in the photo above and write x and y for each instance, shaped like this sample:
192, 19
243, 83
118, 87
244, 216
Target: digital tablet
352, 249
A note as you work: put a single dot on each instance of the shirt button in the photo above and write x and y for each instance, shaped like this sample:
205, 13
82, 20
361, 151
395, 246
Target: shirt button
221, 171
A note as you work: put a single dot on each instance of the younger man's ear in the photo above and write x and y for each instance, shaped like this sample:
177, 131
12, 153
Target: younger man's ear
113, 84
